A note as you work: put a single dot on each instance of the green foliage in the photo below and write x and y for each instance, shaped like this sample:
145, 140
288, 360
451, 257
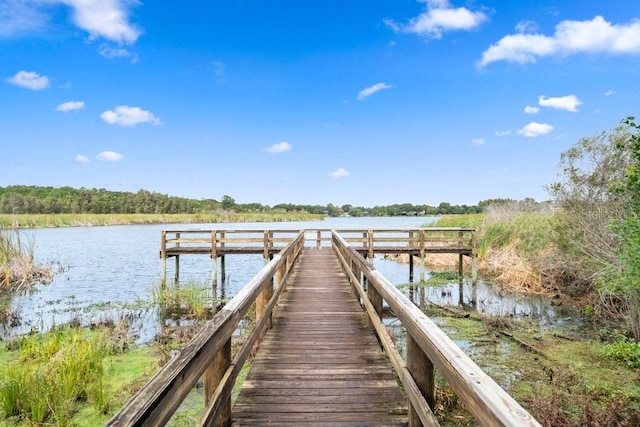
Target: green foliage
190, 300
627, 352
22, 199
51, 373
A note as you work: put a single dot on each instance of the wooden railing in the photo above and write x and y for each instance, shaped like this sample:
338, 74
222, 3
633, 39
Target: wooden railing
416, 242
208, 354
428, 347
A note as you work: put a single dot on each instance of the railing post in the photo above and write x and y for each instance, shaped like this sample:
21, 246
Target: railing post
212, 377
371, 251
375, 298
261, 304
265, 241
421, 369
319, 239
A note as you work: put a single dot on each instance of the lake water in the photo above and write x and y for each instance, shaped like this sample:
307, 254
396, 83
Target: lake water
113, 270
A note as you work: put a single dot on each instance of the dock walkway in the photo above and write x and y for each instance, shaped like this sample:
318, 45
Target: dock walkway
320, 363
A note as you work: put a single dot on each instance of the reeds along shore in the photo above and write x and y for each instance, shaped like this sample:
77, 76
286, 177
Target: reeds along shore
89, 220
515, 248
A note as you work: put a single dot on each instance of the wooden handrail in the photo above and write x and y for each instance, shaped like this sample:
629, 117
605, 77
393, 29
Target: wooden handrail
485, 399
157, 401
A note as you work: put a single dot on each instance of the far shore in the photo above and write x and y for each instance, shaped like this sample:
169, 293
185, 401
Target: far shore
25, 221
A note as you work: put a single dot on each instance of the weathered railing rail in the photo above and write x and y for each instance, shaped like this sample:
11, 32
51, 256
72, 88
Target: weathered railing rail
208, 354
428, 347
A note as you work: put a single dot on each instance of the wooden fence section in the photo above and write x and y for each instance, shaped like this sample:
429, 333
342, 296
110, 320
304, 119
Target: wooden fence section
321, 362
208, 354
417, 242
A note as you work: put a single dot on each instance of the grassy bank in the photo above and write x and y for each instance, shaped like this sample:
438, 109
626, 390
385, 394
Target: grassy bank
70, 376
87, 220
565, 377
515, 248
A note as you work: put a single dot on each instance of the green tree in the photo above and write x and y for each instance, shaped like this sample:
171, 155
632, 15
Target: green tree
227, 203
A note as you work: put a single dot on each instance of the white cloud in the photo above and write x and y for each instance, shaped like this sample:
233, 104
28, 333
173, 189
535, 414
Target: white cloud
505, 132
610, 92
109, 156
339, 173
439, 17
526, 27
570, 38
70, 106
280, 147
112, 53
531, 110
124, 115
364, 93
81, 159
477, 141
19, 16
535, 129
29, 80
108, 19
567, 103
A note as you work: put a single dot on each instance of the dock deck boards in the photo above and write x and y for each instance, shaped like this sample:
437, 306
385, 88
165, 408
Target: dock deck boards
321, 363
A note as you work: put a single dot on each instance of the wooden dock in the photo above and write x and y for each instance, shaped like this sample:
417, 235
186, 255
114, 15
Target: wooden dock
321, 363
324, 355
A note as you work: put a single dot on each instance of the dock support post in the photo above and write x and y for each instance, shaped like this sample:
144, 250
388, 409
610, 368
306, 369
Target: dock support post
410, 268
474, 269
163, 257
423, 243
223, 270
176, 276
214, 261
163, 275
460, 267
421, 369
212, 377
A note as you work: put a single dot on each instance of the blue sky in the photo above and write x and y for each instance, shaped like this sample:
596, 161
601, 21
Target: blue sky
370, 102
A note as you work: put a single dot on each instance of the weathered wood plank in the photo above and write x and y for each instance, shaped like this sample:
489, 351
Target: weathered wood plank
321, 362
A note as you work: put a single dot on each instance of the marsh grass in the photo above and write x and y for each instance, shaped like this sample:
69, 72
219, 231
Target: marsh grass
89, 220
17, 267
190, 300
70, 376
517, 248
51, 373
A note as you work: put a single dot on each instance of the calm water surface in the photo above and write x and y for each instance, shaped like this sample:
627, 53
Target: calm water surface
113, 270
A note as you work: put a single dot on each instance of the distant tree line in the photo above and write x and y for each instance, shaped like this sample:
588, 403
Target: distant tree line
23, 199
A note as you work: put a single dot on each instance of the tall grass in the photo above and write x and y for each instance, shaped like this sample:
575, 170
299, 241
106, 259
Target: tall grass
516, 247
88, 220
17, 267
190, 300
50, 374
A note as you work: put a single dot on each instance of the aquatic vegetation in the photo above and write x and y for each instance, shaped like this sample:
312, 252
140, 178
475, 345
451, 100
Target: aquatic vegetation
70, 376
18, 269
190, 300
